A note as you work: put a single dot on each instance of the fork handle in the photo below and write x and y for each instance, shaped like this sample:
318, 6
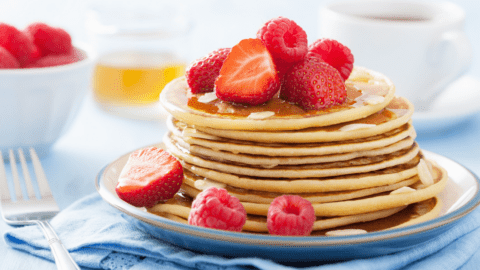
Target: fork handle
63, 260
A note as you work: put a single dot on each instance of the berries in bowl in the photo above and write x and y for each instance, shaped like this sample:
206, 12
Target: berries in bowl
43, 79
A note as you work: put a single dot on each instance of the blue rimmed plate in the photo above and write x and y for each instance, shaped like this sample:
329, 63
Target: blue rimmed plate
459, 198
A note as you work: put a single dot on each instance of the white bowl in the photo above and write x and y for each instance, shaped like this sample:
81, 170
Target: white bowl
38, 104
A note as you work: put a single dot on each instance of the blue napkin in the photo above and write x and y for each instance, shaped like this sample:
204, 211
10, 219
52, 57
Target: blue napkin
99, 237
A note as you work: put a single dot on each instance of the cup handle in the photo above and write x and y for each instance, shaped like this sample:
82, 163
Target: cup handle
450, 56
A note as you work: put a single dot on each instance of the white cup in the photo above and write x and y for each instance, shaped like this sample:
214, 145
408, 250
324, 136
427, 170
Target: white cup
420, 46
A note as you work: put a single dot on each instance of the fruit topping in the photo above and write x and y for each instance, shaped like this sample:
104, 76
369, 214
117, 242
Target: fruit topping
151, 175
248, 75
7, 60
290, 215
49, 40
335, 54
313, 85
215, 208
284, 39
56, 60
17, 43
202, 73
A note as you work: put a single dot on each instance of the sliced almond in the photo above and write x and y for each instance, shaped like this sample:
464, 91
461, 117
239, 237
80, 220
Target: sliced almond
208, 97
373, 100
424, 173
345, 232
355, 126
402, 190
261, 115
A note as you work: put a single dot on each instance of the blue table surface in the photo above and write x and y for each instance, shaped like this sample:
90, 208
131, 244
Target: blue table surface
96, 137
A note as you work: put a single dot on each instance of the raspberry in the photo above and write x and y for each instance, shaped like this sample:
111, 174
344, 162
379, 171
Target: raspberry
335, 54
202, 73
50, 40
215, 208
314, 85
284, 39
17, 43
55, 60
290, 215
7, 60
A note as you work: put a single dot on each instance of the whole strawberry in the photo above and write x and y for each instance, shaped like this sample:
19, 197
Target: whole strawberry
151, 175
313, 85
17, 43
7, 60
49, 40
202, 73
335, 54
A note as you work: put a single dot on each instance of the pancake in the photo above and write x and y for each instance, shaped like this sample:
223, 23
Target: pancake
195, 137
357, 165
367, 92
269, 161
309, 185
396, 113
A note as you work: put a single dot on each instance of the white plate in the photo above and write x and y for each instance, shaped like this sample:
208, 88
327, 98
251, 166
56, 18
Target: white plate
455, 106
459, 198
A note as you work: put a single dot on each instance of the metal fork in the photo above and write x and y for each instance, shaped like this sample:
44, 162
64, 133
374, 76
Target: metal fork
32, 210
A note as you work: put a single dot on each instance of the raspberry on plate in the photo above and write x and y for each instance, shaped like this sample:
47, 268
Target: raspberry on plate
151, 175
290, 215
248, 75
202, 73
335, 54
17, 43
314, 85
215, 208
49, 40
284, 39
7, 60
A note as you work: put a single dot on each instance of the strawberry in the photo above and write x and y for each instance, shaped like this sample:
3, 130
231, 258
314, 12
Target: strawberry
202, 73
151, 175
49, 40
7, 60
248, 75
314, 85
335, 54
17, 43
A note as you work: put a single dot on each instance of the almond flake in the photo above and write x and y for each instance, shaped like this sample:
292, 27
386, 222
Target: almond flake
355, 127
374, 100
345, 232
424, 173
205, 183
399, 112
206, 98
402, 190
261, 115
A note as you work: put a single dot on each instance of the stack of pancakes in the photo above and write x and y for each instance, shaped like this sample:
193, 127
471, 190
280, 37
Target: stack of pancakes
358, 163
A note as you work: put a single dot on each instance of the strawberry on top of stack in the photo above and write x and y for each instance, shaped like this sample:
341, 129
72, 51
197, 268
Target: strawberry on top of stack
278, 60
38, 45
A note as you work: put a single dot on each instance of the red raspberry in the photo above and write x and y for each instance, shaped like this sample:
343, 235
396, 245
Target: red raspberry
284, 39
17, 43
7, 60
151, 175
50, 40
335, 54
202, 73
314, 85
55, 60
290, 215
215, 208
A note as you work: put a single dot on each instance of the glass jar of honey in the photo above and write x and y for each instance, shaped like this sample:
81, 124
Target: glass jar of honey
141, 46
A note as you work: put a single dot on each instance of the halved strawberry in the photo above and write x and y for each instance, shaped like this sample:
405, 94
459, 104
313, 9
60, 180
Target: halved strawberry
151, 175
248, 75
